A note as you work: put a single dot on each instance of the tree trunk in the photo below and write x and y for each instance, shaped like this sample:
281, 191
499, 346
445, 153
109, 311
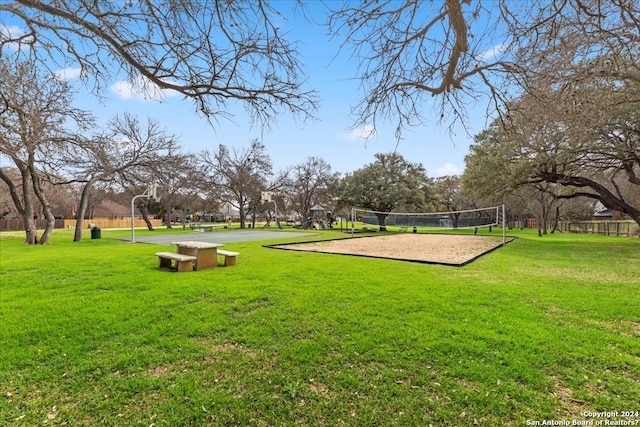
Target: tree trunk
24, 209
608, 199
242, 216
145, 216
28, 214
542, 215
46, 207
82, 209
381, 217
540, 221
456, 217
556, 221
167, 208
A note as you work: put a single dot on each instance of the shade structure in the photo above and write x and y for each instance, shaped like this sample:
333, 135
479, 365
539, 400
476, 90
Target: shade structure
315, 211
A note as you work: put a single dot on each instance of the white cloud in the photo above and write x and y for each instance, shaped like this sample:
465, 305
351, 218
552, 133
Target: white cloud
68, 73
448, 169
12, 32
124, 145
491, 53
359, 134
141, 89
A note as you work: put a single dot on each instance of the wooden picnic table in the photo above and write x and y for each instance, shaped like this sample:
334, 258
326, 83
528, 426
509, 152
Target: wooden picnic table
205, 252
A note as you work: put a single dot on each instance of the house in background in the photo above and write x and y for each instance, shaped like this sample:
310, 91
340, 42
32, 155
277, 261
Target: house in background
606, 214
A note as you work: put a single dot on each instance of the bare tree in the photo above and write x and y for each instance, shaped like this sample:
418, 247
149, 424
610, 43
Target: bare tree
240, 174
277, 184
576, 40
311, 183
210, 51
35, 110
416, 54
175, 177
409, 52
128, 148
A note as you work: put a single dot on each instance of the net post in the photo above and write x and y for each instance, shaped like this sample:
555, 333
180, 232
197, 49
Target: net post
353, 219
504, 230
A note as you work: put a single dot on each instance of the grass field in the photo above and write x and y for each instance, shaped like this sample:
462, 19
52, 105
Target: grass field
92, 333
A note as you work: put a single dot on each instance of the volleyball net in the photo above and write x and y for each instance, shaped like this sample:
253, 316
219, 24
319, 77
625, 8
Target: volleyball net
413, 221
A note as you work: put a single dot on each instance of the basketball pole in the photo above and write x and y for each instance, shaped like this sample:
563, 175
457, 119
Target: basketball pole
266, 198
150, 193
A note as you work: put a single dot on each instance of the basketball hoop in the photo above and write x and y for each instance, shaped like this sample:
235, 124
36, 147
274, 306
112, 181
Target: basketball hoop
152, 192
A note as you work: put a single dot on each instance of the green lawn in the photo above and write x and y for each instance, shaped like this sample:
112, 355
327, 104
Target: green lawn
92, 333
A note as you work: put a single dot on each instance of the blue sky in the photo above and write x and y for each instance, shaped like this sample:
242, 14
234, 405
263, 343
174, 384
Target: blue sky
290, 142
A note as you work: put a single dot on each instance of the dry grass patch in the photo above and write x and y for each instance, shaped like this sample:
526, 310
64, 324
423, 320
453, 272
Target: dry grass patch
567, 404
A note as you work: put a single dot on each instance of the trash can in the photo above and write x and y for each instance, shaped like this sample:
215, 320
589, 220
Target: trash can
95, 232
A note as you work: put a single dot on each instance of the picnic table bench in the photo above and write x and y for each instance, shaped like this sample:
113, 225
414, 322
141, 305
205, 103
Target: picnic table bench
183, 262
207, 227
229, 257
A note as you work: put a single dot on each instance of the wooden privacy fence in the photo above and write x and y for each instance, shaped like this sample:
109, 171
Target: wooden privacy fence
17, 224
111, 223
605, 228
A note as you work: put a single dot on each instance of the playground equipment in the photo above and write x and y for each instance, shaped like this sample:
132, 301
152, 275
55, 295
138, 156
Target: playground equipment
318, 223
311, 223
